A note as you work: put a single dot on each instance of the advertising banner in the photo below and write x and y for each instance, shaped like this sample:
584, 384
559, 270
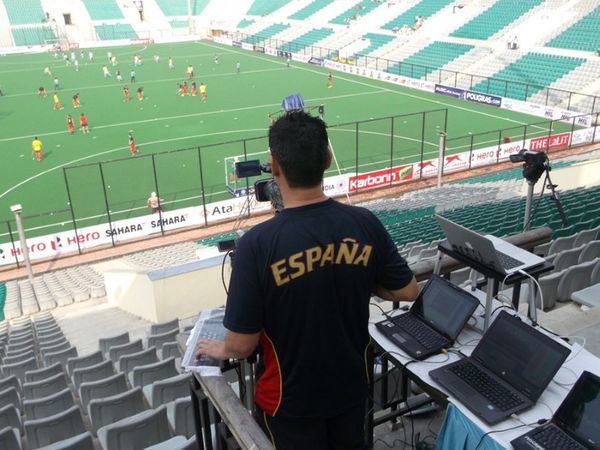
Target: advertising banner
380, 178
550, 142
486, 99
449, 91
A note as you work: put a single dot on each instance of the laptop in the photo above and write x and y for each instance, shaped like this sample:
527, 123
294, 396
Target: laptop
433, 322
576, 423
507, 372
488, 250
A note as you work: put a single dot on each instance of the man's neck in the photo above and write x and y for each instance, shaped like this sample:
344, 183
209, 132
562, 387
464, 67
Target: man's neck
293, 198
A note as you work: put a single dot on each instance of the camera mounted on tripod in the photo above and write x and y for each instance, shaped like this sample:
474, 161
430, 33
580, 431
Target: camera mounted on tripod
534, 164
265, 190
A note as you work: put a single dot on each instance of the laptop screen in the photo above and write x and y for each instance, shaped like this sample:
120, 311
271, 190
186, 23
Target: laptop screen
521, 355
444, 306
579, 412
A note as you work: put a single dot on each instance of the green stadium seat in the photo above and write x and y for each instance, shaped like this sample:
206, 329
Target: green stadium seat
495, 18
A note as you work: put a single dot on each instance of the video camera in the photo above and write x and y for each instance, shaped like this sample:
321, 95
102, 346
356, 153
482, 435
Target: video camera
265, 190
534, 164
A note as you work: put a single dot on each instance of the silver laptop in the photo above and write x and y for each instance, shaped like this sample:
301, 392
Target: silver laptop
488, 250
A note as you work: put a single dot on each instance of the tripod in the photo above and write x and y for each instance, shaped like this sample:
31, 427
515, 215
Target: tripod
529, 215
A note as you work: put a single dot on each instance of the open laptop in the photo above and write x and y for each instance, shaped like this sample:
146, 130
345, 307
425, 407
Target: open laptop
488, 250
433, 322
507, 372
576, 423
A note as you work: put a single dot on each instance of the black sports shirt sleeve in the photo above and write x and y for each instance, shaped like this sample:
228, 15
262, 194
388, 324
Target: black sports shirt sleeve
244, 311
393, 272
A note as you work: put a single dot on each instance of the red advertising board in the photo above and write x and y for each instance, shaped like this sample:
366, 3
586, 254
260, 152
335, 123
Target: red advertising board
550, 142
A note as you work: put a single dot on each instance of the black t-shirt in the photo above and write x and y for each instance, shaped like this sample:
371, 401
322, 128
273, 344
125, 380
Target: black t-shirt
304, 280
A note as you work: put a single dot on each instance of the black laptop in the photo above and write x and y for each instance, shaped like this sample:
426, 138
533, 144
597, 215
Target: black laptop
433, 322
507, 371
576, 423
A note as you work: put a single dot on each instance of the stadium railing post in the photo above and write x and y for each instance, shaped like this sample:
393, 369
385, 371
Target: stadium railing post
71, 207
202, 186
572, 130
12, 243
157, 190
112, 236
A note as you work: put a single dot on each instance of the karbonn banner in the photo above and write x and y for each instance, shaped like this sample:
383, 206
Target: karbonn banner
380, 178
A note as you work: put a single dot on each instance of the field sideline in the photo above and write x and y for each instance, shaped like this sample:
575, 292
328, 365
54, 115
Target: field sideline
237, 106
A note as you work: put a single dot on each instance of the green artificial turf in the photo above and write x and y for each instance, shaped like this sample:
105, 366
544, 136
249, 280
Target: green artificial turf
163, 123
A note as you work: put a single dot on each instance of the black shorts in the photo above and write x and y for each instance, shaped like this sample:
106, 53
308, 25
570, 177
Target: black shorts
345, 431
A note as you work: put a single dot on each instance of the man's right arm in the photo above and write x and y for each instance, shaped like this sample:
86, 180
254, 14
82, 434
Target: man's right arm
406, 294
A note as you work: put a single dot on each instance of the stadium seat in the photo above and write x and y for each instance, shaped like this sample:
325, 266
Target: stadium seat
56, 348
143, 375
106, 343
167, 390
92, 373
43, 373
170, 349
10, 396
8, 382
181, 416
585, 236
142, 430
48, 406
10, 439
82, 441
20, 357
574, 279
157, 340
104, 411
128, 362
159, 328
567, 258
106, 387
116, 351
10, 416
83, 361
19, 369
175, 443
45, 387
60, 357
561, 244
54, 428
590, 252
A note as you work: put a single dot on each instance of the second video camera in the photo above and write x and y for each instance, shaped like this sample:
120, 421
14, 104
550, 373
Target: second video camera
265, 190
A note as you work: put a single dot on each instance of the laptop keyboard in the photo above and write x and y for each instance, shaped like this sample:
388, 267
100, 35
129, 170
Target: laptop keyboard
493, 391
508, 262
551, 437
422, 333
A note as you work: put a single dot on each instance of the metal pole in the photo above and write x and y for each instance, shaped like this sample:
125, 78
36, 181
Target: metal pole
391, 149
442, 150
112, 236
528, 202
72, 210
202, 187
17, 209
162, 228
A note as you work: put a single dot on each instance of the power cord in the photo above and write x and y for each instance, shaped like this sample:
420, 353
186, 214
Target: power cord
533, 424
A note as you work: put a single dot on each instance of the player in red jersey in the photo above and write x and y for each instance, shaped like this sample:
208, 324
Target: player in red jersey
70, 124
126, 93
75, 101
83, 123
194, 89
132, 148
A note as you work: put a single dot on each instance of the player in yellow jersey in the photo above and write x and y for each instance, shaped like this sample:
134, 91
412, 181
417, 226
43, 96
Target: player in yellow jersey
36, 147
202, 90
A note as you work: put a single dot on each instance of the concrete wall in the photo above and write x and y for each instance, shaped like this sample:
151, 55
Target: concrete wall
165, 294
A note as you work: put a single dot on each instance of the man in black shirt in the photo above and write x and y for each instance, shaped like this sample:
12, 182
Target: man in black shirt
300, 290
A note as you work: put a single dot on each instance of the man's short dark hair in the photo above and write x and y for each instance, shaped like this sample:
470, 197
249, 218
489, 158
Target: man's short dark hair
299, 143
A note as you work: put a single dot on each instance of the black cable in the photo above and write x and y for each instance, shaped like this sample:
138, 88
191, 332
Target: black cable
223, 272
539, 422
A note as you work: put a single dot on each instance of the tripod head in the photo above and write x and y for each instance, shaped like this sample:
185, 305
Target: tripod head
534, 164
